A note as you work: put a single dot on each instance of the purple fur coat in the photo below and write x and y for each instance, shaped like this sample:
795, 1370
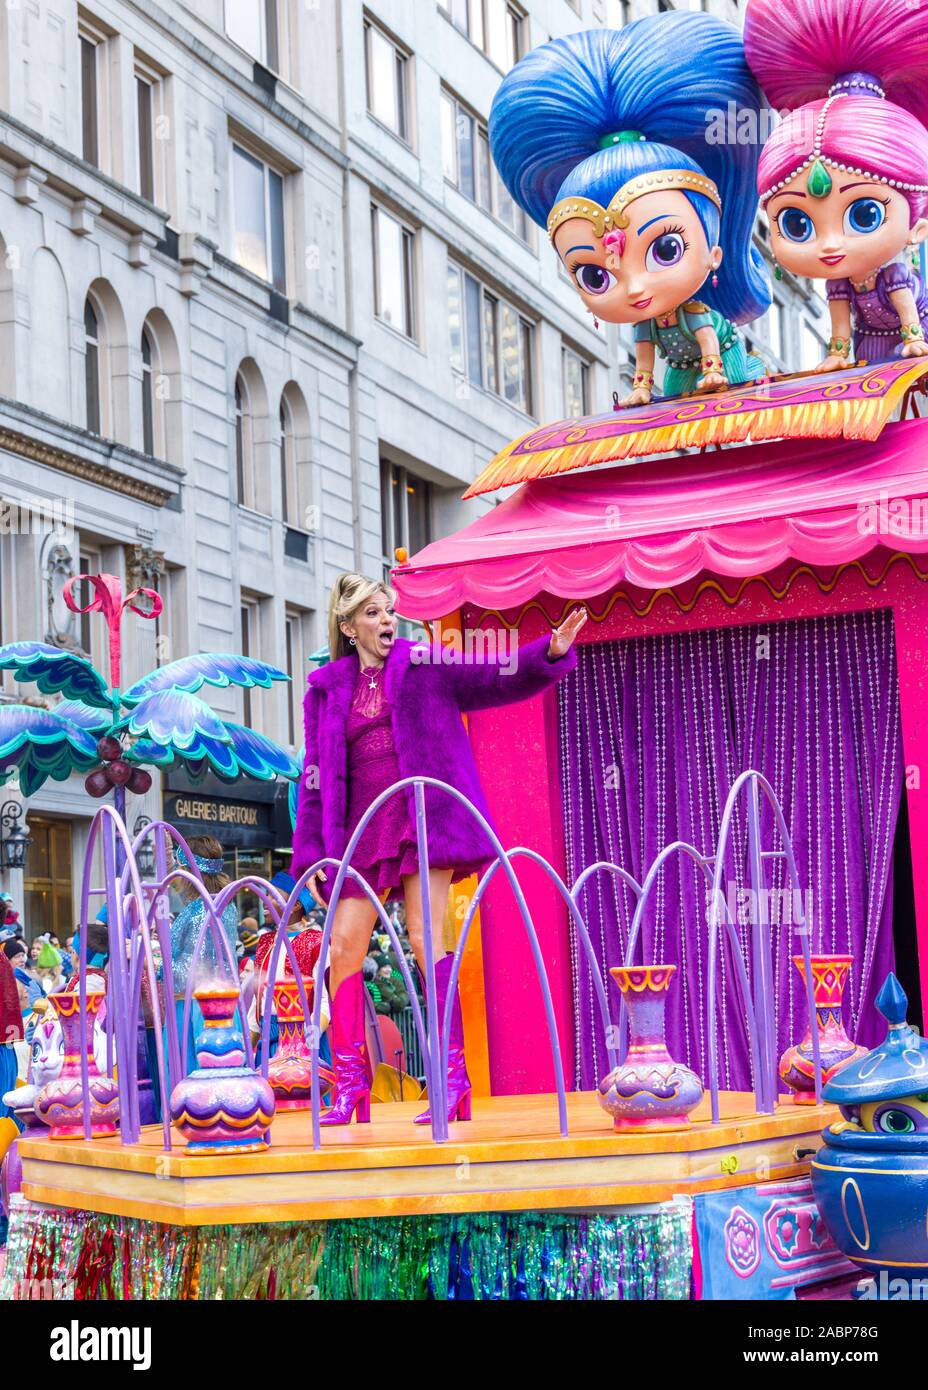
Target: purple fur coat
426, 702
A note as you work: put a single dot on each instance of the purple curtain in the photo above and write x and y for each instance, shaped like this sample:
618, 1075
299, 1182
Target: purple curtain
652, 735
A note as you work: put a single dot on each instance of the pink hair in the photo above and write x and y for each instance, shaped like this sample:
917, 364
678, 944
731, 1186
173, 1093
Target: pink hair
800, 49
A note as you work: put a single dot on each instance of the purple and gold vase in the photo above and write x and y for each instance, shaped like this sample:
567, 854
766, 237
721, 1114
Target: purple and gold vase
60, 1103
223, 1106
649, 1090
797, 1068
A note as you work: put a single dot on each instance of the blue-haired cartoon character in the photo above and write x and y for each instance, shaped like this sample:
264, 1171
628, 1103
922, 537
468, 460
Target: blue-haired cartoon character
606, 138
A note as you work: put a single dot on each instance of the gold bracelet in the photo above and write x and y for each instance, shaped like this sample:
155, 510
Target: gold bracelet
645, 379
841, 347
912, 333
711, 364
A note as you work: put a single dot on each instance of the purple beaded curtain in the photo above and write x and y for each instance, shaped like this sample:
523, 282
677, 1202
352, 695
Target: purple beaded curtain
652, 735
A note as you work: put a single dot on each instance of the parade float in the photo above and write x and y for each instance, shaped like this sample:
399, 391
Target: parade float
718, 810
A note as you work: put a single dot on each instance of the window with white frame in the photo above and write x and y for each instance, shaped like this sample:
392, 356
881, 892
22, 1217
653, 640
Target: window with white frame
297, 641
250, 645
387, 68
394, 271
258, 207
468, 165
405, 512
498, 27
492, 343
244, 446
576, 372
149, 129
94, 375
254, 26
92, 42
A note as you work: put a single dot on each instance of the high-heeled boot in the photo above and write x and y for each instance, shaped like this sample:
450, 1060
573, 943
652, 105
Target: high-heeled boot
458, 1080
349, 1055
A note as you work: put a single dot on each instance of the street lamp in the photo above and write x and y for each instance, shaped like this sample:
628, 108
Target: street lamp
146, 855
14, 837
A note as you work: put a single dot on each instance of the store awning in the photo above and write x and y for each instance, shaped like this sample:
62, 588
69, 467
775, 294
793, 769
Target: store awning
739, 511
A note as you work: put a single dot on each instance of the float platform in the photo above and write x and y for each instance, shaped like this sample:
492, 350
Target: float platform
510, 1157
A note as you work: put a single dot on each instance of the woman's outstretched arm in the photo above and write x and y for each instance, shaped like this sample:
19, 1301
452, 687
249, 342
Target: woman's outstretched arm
529, 669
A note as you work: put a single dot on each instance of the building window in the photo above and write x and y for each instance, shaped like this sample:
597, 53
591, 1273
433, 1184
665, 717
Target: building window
576, 385
259, 218
492, 343
144, 97
394, 272
148, 393
405, 512
495, 26
244, 446
253, 25
469, 166
249, 622
92, 346
387, 67
296, 638
89, 100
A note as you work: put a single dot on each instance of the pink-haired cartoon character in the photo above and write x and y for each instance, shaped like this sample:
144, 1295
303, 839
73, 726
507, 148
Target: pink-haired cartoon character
844, 178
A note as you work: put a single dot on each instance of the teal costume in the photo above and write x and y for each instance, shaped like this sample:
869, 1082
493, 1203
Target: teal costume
684, 354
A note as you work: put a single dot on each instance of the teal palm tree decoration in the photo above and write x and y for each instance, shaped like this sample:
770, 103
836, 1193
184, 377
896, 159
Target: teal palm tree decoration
114, 735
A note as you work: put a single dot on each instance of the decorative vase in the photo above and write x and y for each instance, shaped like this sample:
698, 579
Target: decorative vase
290, 1070
223, 1106
797, 1069
60, 1103
649, 1090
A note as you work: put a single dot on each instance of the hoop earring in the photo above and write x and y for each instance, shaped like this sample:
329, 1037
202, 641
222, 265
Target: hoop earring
352, 641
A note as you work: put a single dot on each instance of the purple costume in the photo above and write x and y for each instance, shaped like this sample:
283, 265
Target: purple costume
877, 334
360, 741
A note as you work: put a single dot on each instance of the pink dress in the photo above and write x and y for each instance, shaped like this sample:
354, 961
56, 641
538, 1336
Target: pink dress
387, 850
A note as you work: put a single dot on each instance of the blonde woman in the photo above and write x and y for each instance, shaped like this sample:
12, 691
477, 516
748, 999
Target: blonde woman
379, 712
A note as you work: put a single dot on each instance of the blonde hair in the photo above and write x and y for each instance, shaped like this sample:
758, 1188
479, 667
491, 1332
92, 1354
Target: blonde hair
204, 847
349, 593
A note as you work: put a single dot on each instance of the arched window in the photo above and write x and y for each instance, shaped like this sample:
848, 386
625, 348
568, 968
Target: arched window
148, 393
244, 445
287, 443
92, 345
295, 459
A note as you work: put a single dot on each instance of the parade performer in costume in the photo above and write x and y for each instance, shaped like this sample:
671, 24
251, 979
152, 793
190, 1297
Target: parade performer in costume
605, 139
382, 710
185, 928
844, 178
306, 940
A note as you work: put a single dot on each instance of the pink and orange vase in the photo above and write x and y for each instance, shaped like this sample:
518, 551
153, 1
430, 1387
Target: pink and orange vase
648, 1091
60, 1103
290, 1070
797, 1067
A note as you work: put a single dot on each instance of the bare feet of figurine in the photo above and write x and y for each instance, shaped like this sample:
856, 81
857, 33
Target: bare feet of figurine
834, 363
637, 397
712, 381
917, 349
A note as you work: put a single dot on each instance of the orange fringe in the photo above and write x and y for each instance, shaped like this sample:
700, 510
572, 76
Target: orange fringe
857, 419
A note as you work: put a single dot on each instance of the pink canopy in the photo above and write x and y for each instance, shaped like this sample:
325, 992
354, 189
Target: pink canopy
656, 524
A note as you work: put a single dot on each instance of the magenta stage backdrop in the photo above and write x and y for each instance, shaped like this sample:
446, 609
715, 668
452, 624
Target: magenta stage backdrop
653, 733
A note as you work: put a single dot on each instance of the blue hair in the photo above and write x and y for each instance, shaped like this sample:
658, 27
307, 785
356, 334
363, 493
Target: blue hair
663, 75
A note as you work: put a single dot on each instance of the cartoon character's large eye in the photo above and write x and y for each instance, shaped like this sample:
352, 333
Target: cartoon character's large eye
795, 224
894, 1119
668, 249
594, 279
863, 216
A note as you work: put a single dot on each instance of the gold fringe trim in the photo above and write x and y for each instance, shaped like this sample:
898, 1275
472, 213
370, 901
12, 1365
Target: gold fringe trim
853, 420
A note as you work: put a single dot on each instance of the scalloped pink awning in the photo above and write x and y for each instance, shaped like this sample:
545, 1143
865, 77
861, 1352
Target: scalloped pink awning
656, 524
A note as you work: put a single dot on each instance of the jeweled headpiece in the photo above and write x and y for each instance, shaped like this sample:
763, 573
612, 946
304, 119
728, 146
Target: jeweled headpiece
206, 866
819, 183
615, 216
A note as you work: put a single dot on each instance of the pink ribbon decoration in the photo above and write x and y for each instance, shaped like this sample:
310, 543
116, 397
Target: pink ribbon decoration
108, 600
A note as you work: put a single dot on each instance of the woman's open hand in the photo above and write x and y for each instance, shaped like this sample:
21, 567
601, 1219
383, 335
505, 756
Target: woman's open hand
563, 638
313, 885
